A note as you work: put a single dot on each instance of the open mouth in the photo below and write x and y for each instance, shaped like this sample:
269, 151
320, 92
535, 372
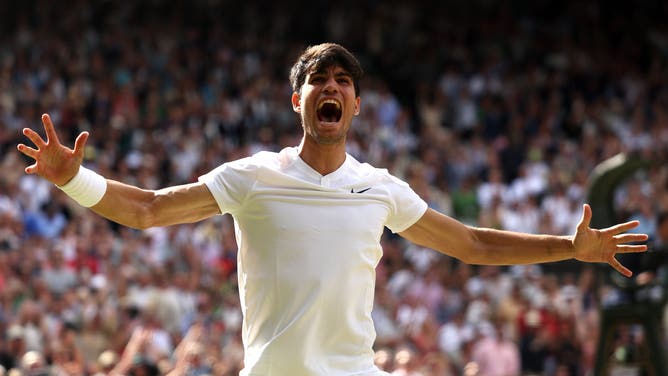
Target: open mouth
329, 111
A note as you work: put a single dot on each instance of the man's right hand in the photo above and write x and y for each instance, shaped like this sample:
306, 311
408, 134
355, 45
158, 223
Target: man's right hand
54, 161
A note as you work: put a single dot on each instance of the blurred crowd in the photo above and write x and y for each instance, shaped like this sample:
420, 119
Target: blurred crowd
496, 114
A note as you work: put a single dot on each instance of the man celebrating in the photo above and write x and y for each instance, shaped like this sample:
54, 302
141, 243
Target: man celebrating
308, 223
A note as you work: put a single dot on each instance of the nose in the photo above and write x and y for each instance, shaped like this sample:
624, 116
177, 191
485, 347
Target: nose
331, 85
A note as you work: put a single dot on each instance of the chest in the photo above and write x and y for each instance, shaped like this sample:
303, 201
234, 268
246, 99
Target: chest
325, 215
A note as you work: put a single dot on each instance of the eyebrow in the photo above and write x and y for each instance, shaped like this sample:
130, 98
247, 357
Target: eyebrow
341, 73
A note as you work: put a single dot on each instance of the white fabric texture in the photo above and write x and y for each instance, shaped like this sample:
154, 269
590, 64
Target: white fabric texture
86, 187
308, 248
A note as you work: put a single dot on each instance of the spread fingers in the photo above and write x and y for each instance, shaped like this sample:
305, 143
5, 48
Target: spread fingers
34, 137
27, 150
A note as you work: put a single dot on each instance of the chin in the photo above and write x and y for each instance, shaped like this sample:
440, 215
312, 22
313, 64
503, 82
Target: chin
327, 138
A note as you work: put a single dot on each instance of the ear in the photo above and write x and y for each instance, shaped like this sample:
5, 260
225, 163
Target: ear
296, 105
357, 106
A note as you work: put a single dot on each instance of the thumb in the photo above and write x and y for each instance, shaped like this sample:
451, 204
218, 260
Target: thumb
586, 218
79, 144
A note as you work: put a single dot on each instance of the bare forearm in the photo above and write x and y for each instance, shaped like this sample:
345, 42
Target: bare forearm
126, 204
496, 247
122, 203
140, 208
486, 246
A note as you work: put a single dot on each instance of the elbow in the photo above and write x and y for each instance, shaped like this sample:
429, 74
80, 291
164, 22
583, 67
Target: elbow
158, 211
469, 257
145, 216
141, 224
472, 251
140, 220
475, 256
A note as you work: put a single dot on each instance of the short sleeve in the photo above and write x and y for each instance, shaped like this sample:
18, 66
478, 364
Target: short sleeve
230, 183
408, 206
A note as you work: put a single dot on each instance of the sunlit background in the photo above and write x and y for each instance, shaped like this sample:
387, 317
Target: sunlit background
496, 113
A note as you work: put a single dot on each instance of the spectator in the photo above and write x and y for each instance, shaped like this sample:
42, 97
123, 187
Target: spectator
15, 347
495, 354
48, 222
406, 363
453, 336
99, 70
57, 276
33, 363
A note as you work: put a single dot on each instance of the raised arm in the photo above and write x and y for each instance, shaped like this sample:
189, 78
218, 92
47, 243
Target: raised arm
128, 205
495, 247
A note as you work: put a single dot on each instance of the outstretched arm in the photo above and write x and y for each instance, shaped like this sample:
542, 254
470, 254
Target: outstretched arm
128, 205
136, 346
495, 247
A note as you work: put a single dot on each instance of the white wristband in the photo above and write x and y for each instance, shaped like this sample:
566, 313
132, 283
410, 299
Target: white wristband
86, 187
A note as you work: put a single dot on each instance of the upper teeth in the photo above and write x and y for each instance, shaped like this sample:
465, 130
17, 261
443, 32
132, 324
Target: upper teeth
330, 101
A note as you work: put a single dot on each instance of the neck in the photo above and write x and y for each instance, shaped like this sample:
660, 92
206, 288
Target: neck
323, 158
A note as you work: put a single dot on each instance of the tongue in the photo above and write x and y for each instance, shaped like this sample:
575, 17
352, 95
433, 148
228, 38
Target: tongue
329, 113
328, 119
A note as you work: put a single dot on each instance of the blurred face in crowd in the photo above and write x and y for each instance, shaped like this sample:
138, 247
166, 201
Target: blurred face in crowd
662, 229
326, 103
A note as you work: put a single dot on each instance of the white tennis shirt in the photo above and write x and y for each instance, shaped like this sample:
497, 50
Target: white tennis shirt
308, 248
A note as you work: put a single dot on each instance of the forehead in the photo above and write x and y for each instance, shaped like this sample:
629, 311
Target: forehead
336, 70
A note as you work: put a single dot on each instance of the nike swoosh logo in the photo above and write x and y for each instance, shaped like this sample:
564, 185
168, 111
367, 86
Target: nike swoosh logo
361, 191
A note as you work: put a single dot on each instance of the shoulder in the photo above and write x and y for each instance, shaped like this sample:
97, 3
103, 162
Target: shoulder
251, 167
262, 159
366, 171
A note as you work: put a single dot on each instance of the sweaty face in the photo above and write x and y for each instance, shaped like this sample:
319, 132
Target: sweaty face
327, 104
